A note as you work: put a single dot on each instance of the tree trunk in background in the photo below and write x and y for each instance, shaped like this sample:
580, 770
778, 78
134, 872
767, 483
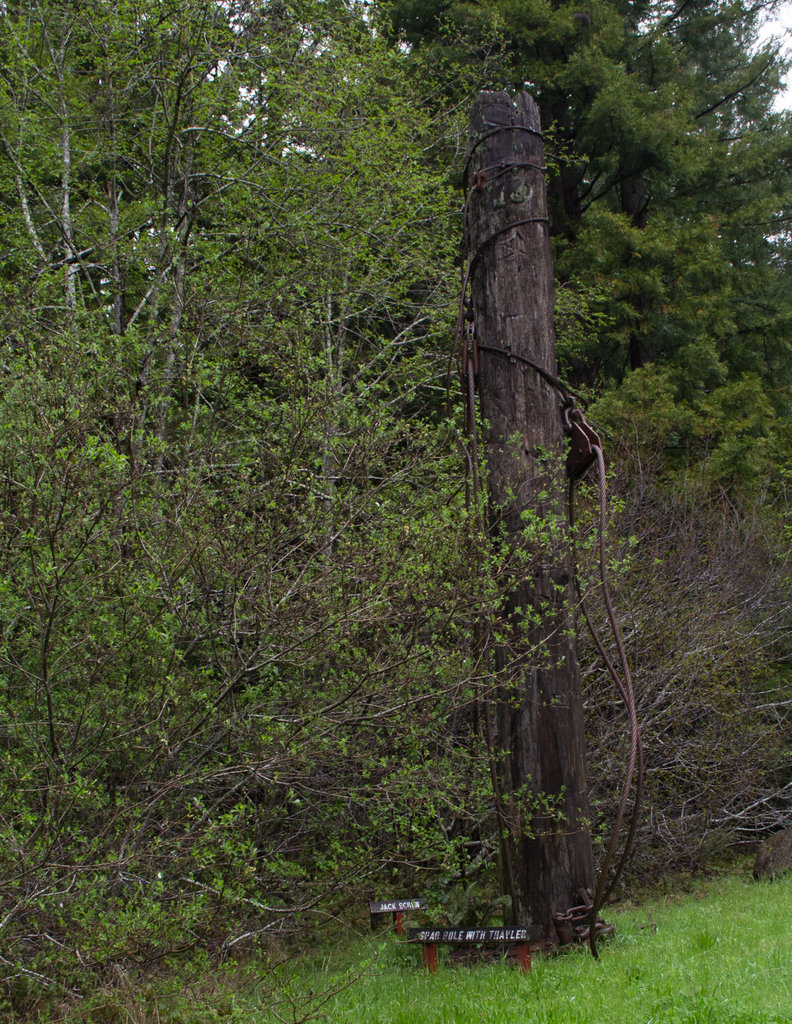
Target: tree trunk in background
635, 203
537, 709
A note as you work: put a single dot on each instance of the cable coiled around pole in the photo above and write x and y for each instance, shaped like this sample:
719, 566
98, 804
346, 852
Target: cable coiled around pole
634, 774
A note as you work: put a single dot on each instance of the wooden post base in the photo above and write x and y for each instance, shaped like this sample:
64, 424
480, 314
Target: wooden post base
430, 957
522, 950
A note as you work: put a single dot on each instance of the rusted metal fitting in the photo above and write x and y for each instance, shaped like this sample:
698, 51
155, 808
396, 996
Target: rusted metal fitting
583, 440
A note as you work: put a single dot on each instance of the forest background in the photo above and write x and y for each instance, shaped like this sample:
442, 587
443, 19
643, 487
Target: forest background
239, 574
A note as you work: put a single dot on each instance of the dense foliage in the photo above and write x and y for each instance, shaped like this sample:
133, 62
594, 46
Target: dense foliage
240, 578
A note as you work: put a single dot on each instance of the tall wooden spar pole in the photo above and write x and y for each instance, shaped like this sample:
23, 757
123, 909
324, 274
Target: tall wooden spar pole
537, 710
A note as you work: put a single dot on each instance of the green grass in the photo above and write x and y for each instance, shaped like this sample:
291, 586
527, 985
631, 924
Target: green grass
722, 955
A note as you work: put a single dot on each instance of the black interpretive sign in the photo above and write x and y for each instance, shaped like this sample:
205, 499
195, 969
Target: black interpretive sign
454, 935
396, 906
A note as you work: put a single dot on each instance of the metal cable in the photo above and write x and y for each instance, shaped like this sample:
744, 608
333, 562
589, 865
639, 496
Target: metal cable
496, 130
635, 764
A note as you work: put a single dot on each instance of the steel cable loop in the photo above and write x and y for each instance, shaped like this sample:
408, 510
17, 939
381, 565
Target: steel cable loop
636, 746
626, 693
635, 764
496, 129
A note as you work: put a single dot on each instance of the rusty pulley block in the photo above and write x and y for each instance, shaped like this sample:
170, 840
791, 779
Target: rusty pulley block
583, 440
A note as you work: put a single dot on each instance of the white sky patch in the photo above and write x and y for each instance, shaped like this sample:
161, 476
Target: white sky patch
780, 27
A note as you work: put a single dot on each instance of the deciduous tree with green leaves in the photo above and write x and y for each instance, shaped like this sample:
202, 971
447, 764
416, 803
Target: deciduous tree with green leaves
234, 641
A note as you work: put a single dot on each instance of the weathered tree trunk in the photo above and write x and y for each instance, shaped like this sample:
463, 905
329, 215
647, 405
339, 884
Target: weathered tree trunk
538, 708
635, 203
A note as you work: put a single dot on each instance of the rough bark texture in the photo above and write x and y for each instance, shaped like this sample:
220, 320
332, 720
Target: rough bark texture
538, 712
635, 203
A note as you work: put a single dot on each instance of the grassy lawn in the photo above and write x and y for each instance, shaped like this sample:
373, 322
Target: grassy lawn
721, 955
